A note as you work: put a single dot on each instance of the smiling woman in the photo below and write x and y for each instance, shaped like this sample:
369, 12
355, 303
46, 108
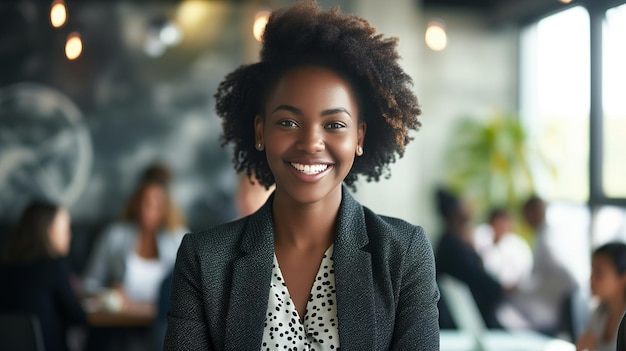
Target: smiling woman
312, 269
310, 133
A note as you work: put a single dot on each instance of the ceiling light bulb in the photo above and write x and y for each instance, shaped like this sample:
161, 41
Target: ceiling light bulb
260, 20
73, 46
436, 37
58, 13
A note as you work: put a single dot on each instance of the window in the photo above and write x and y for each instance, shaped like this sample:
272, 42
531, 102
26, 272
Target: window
614, 108
554, 106
609, 225
573, 79
555, 70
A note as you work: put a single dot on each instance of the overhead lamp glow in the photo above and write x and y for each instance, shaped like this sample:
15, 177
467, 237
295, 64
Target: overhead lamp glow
58, 13
565, 1
73, 46
436, 37
260, 20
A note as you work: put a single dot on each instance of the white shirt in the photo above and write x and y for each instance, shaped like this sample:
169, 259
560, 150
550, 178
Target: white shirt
284, 330
596, 325
543, 293
143, 278
509, 260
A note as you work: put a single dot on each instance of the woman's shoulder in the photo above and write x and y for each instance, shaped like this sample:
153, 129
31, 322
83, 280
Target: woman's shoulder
177, 233
220, 236
392, 228
47, 268
119, 229
117, 237
395, 238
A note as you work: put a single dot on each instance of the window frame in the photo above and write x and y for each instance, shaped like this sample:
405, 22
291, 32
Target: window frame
596, 10
597, 197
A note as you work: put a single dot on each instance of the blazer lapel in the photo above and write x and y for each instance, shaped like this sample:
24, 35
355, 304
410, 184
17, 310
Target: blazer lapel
353, 278
251, 283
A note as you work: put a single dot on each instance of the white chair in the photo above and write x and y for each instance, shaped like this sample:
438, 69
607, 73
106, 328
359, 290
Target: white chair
473, 335
463, 310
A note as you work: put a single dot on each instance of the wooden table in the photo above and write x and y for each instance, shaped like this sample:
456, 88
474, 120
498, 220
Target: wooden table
131, 315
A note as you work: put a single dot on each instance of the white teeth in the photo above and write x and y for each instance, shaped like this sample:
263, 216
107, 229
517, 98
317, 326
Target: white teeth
309, 169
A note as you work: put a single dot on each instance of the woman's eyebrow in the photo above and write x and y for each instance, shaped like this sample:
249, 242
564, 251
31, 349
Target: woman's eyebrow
334, 111
288, 108
297, 111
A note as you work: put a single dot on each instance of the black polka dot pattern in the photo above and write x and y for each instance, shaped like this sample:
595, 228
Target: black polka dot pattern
283, 329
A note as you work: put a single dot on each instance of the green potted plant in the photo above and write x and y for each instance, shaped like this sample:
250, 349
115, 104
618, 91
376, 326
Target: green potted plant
488, 161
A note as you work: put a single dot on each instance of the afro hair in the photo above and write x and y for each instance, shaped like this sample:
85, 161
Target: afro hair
305, 34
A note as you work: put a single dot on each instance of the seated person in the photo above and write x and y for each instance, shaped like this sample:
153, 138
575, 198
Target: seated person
249, 197
456, 257
608, 285
505, 255
621, 335
134, 255
544, 298
36, 278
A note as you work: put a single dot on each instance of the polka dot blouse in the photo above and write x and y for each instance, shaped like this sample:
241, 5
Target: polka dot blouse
283, 329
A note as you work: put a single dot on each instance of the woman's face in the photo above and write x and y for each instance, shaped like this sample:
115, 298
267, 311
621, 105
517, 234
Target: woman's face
60, 234
606, 282
152, 207
310, 133
501, 225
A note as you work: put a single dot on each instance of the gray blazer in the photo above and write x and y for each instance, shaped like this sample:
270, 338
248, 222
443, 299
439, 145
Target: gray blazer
385, 282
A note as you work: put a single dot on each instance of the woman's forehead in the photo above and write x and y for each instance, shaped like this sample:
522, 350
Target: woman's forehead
309, 82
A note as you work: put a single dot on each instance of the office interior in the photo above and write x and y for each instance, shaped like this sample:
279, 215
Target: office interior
85, 106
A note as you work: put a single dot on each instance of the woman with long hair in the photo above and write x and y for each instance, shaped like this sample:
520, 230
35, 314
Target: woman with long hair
35, 278
134, 254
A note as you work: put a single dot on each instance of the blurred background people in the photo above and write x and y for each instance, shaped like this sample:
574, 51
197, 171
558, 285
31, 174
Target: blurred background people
546, 298
132, 259
455, 256
134, 254
505, 255
35, 277
608, 285
507, 258
250, 195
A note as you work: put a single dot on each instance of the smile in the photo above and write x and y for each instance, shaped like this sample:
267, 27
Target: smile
309, 169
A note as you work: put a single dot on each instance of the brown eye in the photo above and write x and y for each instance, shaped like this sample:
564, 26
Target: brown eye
335, 125
287, 123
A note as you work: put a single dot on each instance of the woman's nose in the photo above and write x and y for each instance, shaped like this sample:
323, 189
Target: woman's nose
311, 140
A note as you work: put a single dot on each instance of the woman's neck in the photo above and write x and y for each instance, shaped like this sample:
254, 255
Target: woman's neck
617, 305
304, 226
147, 244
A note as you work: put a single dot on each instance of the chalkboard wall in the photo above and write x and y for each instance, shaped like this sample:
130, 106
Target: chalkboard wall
80, 132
